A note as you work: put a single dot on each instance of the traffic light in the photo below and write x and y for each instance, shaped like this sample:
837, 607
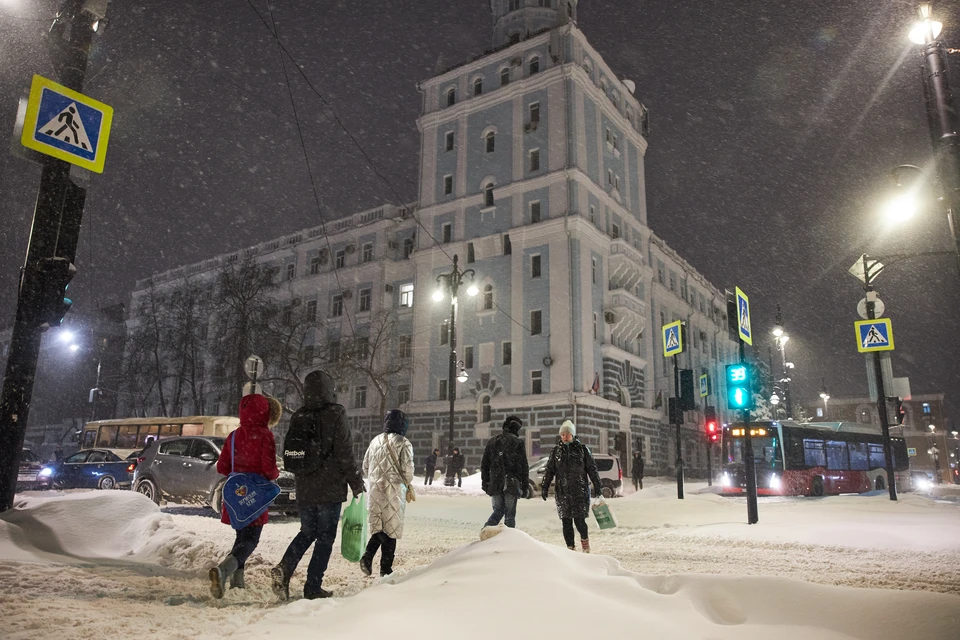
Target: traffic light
711, 426
54, 278
901, 412
739, 396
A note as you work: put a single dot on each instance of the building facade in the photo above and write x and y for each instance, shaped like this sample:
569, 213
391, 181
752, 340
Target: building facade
532, 174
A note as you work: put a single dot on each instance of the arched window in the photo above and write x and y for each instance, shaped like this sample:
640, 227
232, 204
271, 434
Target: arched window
488, 297
570, 10
514, 38
451, 97
505, 76
478, 86
490, 139
534, 65
488, 195
624, 396
485, 412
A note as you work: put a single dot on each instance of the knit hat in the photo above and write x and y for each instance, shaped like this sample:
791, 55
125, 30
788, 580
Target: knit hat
395, 421
569, 427
513, 424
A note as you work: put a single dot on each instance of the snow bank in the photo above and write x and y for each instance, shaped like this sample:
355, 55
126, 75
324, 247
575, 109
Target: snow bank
97, 526
513, 586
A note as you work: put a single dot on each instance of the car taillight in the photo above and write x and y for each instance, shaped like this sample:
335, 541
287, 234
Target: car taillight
620, 474
139, 460
131, 467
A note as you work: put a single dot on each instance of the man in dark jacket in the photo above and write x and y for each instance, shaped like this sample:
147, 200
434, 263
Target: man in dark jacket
504, 472
431, 466
637, 471
454, 467
321, 492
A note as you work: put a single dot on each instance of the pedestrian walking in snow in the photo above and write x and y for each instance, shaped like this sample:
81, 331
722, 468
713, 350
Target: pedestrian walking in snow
318, 450
636, 471
431, 466
505, 473
572, 467
249, 449
388, 465
455, 463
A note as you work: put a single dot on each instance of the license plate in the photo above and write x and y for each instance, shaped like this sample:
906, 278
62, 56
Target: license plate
293, 495
26, 477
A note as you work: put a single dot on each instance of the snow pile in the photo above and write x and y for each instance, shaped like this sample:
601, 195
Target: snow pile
98, 526
470, 486
513, 585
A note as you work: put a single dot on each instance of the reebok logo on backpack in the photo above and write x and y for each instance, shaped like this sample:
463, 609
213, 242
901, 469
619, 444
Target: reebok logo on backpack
302, 452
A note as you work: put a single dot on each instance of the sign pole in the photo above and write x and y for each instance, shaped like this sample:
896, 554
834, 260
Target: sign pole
749, 466
709, 446
679, 419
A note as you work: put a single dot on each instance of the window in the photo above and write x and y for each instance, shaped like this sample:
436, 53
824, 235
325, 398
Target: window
488, 297
490, 142
314, 266
488, 195
485, 414
471, 253
536, 382
359, 397
403, 393
514, 5
407, 247
311, 312
336, 309
594, 326
593, 270
444, 333
534, 65
291, 271
536, 326
505, 76
365, 299
544, 3
447, 184
405, 344
535, 266
535, 112
446, 232
448, 141
406, 295
451, 97
673, 281
858, 456
837, 455
507, 247
514, 38
593, 215
616, 182
367, 254
926, 408
341, 257
333, 351
361, 346
570, 10
442, 391
468, 358
535, 160
535, 212
813, 453
507, 353
609, 176
875, 455
615, 231
478, 86
660, 272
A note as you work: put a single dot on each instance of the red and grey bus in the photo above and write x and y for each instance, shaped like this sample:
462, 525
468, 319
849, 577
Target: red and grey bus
811, 459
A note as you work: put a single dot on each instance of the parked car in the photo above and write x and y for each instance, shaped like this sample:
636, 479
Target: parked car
88, 469
184, 470
30, 466
608, 468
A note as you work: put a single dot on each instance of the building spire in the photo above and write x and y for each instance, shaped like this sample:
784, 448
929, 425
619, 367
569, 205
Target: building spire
514, 20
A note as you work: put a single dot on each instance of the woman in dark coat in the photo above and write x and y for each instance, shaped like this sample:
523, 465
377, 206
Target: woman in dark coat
574, 469
253, 451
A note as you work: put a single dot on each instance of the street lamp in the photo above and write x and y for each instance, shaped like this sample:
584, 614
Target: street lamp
95, 391
780, 338
451, 282
825, 396
935, 452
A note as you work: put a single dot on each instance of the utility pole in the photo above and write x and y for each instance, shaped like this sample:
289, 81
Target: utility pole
678, 416
53, 242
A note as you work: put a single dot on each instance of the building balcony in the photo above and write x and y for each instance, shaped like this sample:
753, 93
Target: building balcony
626, 265
625, 314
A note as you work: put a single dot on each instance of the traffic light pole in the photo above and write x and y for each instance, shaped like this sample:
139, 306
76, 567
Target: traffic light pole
749, 466
709, 446
881, 391
49, 238
679, 420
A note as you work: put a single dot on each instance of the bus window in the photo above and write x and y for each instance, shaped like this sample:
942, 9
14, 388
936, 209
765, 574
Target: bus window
794, 451
813, 453
169, 430
876, 457
108, 437
89, 439
146, 431
127, 437
192, 429
837, 455
858, 456
901, 462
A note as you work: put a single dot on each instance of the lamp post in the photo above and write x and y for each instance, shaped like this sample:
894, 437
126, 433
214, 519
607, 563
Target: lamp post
954, 473
941, 113
935, 452
451, 282
825, 396
74, 347
781, 341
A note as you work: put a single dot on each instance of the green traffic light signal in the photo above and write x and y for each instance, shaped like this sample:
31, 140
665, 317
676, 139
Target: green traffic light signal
739, 396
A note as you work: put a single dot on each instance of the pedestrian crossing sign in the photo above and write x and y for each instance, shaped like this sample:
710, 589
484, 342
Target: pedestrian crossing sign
66, 125
704, 385
672, 339
743, 317
874, 335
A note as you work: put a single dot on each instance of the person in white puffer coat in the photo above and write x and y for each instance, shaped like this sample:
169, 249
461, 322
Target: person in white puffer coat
388, 465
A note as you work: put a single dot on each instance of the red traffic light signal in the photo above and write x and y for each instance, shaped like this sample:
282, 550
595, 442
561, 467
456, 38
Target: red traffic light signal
712, 430
901, 412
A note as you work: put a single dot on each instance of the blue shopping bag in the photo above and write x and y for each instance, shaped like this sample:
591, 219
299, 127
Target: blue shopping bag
247, 495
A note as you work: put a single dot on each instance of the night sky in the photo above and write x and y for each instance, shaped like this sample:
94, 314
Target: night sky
774, 128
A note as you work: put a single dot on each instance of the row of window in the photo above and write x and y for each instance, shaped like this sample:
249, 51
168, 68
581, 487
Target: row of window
339, 260
533, 68
536, 388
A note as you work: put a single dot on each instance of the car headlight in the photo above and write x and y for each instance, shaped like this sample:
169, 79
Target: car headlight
923, 484
774, 481
45, 472
725, 480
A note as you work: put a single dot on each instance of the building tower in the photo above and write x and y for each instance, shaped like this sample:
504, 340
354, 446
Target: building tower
515, 20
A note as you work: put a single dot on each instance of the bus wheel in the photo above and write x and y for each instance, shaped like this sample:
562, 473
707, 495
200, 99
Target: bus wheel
816, 487
880, 484
107, 483
149, 488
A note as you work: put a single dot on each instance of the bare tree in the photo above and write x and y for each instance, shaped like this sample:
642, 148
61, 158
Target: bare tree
145, 368
373, 354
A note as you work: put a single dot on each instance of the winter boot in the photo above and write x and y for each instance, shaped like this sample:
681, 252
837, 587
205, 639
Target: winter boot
280, 583
366, 565
236, 579
572, 548
585, 545
315, 595
218, 575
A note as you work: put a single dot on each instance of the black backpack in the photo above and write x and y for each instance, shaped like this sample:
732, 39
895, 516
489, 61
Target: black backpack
303, 446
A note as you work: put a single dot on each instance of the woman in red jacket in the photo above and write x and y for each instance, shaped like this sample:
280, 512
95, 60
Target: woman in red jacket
254, 451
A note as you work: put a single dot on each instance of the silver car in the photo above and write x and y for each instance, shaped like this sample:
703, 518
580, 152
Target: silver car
184, 470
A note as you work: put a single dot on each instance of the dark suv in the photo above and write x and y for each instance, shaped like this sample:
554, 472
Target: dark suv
185, 470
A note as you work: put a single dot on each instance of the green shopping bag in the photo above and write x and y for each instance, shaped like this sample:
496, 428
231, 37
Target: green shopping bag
601, 511
353, 534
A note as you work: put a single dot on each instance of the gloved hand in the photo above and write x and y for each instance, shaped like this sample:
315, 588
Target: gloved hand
544, 492
356, 494
597, 491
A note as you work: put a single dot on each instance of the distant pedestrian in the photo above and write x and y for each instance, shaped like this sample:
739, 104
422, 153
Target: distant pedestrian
505, 473
636, 470
431, 466
319, 451
456, 463
249, 449
572, 465
388, 465
58, 453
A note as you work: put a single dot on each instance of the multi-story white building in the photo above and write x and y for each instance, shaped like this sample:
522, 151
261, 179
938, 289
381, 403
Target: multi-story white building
532, 173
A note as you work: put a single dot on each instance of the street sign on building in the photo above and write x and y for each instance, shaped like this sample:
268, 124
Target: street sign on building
704, 385
874, 335
67, 125
672, 339
743, 317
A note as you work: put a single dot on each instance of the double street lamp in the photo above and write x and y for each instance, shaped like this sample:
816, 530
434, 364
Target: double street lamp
74, 347
451, 283
824, 396
780, 338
